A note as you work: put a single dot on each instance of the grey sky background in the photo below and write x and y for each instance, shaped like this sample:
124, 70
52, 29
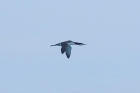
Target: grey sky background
109, 63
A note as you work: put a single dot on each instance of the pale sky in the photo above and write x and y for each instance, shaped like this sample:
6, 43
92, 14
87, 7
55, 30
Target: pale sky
109, 63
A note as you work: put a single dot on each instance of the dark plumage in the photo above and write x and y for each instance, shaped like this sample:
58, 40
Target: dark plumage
65, 47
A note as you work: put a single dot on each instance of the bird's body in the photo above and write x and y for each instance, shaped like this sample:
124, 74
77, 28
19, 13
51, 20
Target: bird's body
65, 47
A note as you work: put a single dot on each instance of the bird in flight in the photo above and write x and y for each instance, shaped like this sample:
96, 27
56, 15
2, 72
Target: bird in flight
65, 46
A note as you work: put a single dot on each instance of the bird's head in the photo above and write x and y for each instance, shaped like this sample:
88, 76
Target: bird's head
79, 43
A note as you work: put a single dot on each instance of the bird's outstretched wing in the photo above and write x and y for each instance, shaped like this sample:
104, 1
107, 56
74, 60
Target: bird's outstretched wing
68, 51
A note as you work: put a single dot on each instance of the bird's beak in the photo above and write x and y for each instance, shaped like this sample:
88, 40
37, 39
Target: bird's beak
52, 45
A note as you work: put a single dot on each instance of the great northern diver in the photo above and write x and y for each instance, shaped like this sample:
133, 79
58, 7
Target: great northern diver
65, 47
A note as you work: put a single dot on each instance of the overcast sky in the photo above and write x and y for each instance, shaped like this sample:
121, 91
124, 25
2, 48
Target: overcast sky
109, 63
